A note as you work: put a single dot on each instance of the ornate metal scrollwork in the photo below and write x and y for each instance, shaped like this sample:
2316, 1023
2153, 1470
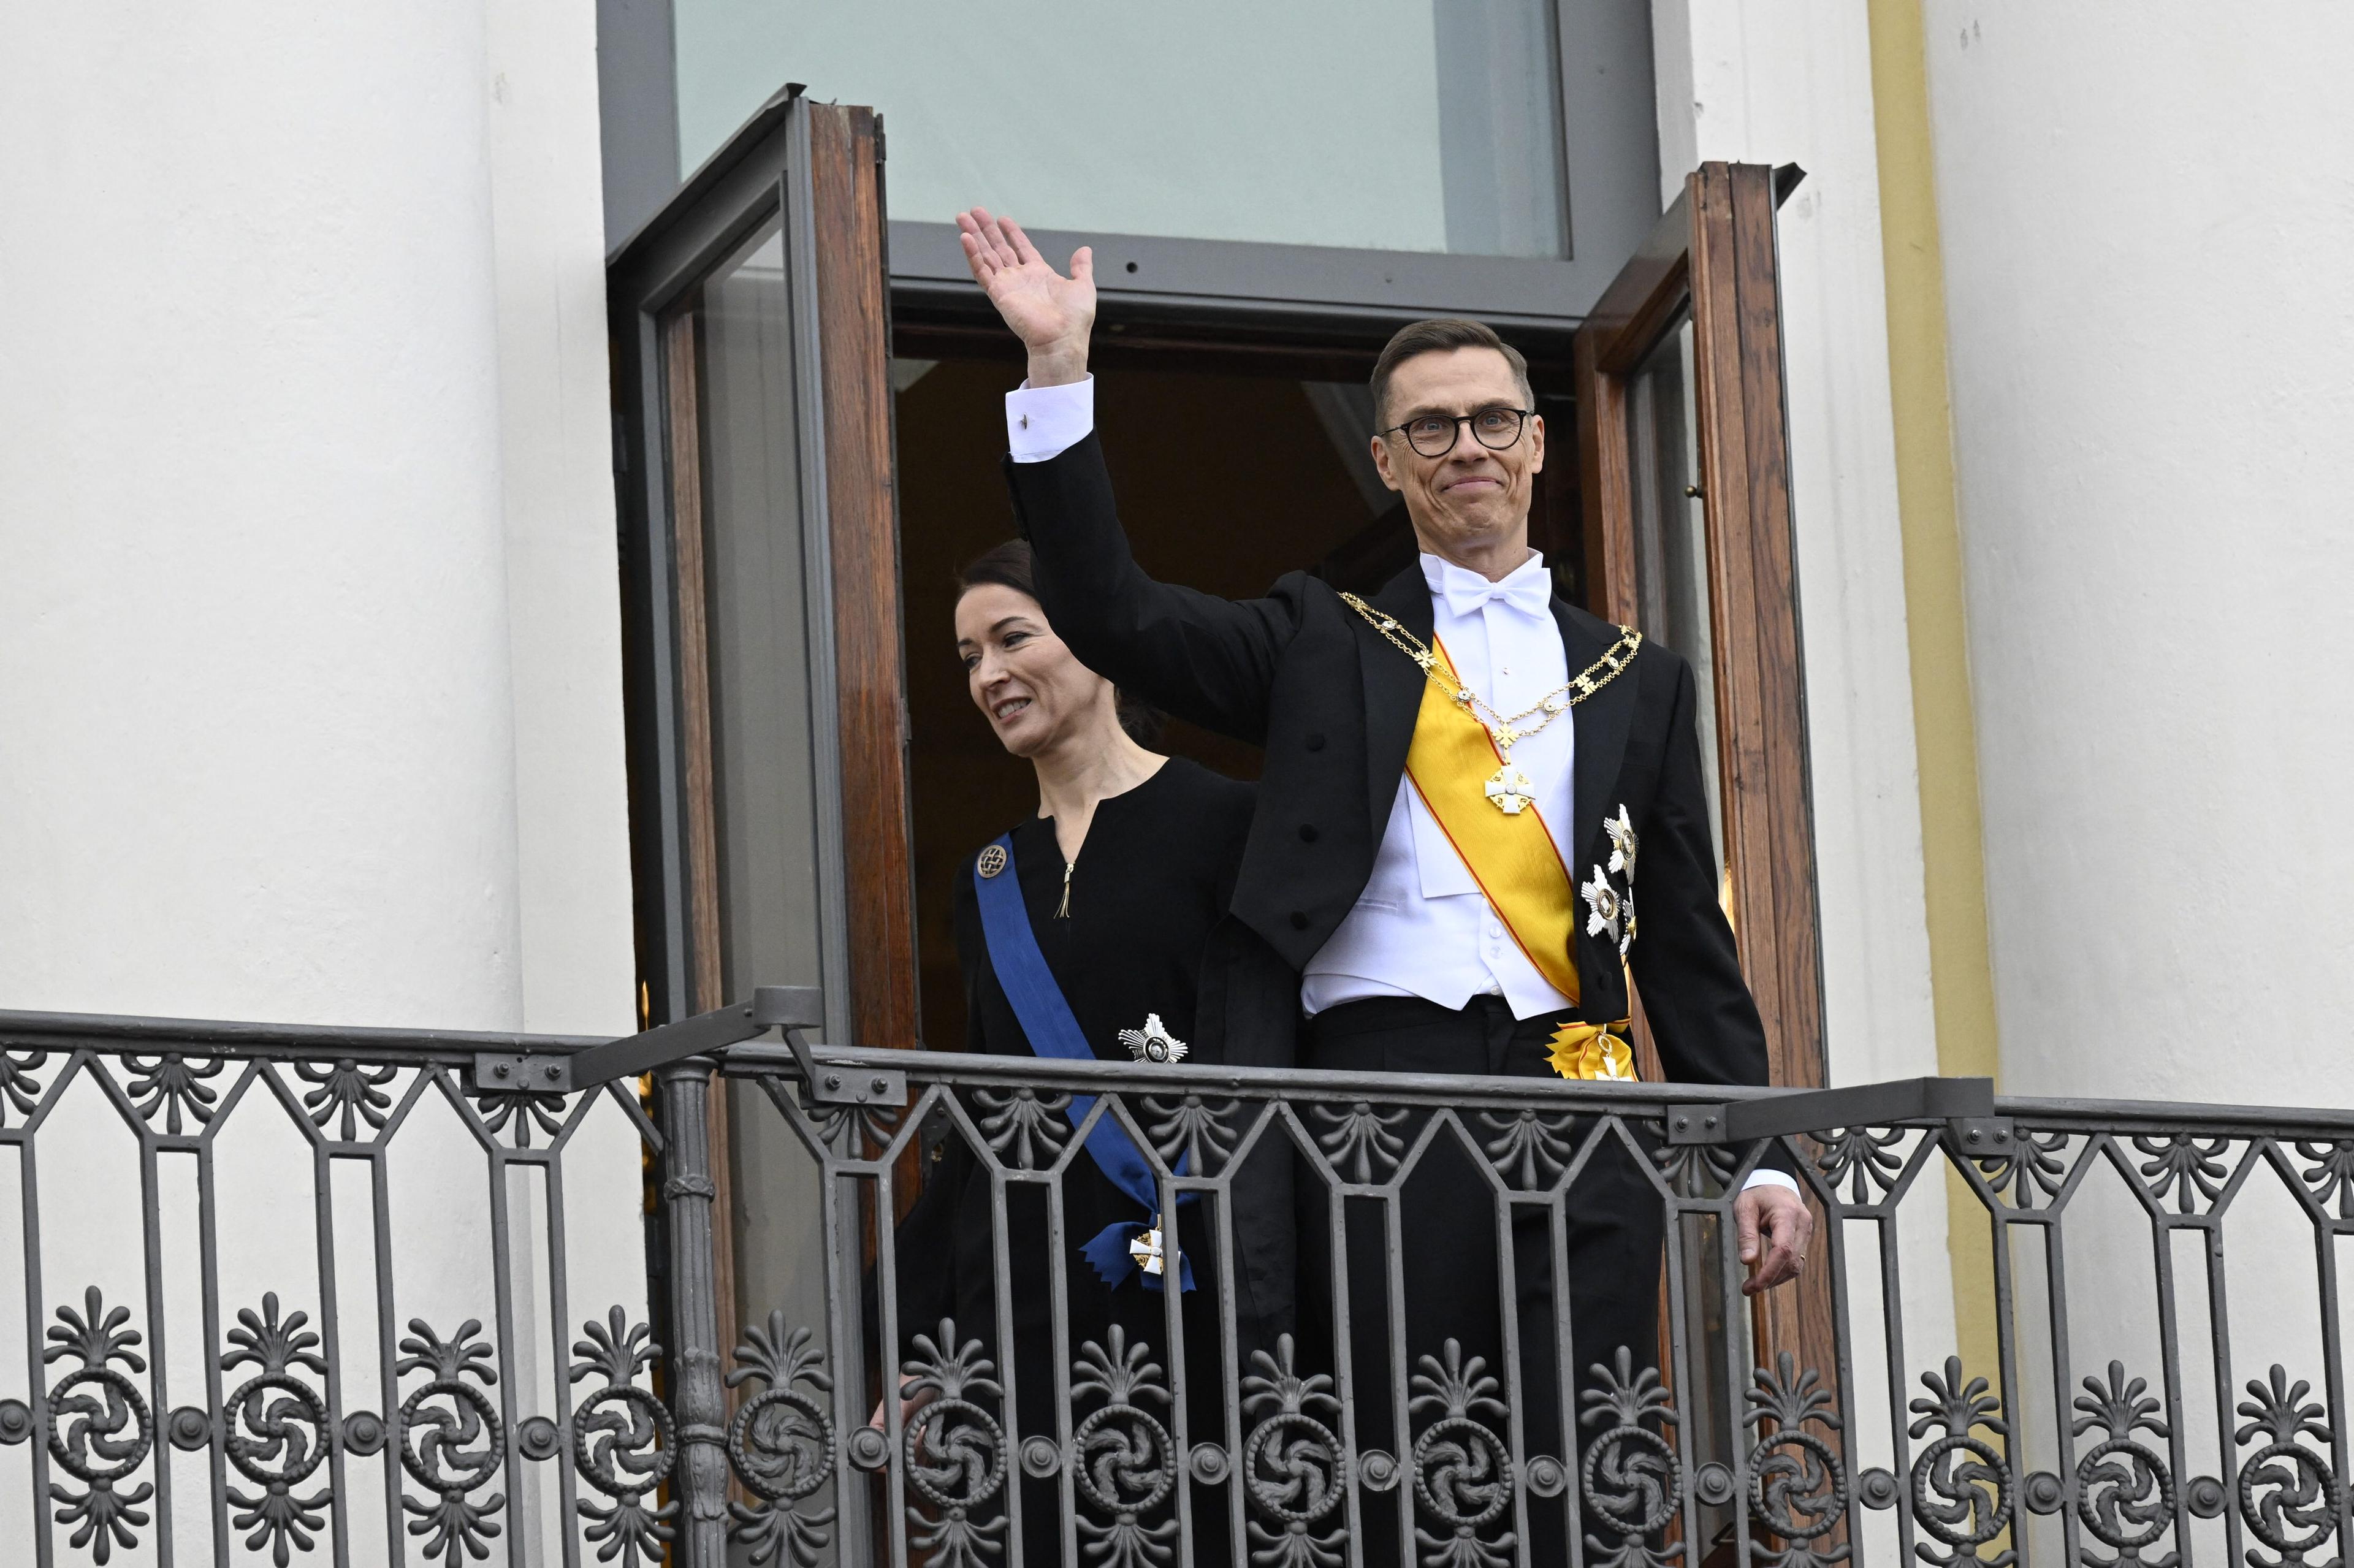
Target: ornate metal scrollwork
2285, 1487
1797, 1485
623, 1443
1529, 1149
1025, 1127
1364, 1144
1462, 1470
1961, 1486
1694, 1170
450, 1440
1194, 1130
18, 1088
874, 1126
2125, 1493
1292, 1468
1126, 1462
2032, 1173
2184, 1170
99, 1428
521, 1109
175, 1086
2330, 1179
1632, 1480
781, 1444
347, 1094
275, 1429
954, 1450
1866, 1160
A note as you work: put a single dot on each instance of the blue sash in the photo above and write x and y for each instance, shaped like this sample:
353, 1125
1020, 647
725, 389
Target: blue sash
1045, 1018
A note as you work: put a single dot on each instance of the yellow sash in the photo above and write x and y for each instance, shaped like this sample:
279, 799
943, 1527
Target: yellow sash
1512, 857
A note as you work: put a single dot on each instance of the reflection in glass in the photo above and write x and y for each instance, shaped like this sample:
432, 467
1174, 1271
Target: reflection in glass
756, 599
1671, 583
758, 587
1427, 125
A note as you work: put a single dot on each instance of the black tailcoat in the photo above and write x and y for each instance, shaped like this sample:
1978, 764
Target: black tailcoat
1333, 705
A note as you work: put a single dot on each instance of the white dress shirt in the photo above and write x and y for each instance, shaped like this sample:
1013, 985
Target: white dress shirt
1421, 927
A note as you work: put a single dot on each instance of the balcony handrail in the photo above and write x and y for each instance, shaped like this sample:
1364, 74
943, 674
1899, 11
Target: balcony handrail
1847, 1105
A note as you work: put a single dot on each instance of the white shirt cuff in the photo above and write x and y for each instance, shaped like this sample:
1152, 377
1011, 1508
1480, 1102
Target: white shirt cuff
1044, 422
1782, 1178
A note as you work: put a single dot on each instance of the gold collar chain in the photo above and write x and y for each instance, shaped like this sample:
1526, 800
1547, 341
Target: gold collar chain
1504, 727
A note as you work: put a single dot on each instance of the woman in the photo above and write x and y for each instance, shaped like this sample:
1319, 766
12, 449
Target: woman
1114, 886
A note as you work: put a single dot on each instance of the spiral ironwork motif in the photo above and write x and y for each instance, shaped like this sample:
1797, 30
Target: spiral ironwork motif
1951, 1482
451, 1441
1291, 1468
1128, 1461
100, 1430
955, 1453
2303, 1492
2123, 1483
289, 1432
1796, 1485
781, 1444
1632, 1480
1462, 1473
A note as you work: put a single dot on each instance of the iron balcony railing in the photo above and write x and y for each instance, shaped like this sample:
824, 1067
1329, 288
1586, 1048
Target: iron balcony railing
379, 1297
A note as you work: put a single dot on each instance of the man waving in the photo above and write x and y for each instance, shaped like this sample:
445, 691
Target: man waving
1480, 807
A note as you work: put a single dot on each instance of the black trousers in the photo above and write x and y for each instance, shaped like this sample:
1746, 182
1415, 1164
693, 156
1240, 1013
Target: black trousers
1451, 1284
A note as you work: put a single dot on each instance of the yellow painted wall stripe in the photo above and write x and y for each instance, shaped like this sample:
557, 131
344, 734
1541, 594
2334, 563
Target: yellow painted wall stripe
1945, 731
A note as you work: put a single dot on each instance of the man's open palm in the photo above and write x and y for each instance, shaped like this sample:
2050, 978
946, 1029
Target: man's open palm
1050, 313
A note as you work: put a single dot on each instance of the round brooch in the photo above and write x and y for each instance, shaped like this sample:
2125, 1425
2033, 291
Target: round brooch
991, 862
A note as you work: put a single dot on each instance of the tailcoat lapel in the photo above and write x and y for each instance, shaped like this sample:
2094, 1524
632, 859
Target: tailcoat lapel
1394, 683
1601, 722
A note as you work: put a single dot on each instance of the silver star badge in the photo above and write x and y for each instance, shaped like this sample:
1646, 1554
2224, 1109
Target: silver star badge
1153, 1042
1602, 905
1621, 829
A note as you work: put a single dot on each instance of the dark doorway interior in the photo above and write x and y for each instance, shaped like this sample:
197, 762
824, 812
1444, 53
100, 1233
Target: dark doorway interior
1229, 476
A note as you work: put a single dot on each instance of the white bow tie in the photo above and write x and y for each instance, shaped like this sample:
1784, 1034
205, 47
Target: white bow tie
1529, 589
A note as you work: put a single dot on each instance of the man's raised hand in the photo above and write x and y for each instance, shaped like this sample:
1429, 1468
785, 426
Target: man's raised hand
1050, 313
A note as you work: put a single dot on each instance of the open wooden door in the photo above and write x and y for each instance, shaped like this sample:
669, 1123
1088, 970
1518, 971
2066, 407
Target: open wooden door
1683, 449
767, 730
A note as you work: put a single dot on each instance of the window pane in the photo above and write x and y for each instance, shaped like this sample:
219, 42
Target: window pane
757, 598
1388, 125
1671, 585
757, 581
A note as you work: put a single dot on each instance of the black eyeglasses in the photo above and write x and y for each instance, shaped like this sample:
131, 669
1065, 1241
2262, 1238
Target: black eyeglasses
1434, 435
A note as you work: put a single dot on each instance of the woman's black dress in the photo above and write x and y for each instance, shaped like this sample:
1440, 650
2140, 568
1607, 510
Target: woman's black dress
1155, 874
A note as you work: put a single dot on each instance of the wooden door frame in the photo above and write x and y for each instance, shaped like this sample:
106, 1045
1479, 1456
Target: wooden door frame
820, 165
1711, 256
817, 169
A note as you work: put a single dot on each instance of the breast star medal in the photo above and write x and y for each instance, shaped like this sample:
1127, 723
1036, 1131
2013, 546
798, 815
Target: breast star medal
1153, 1042
992, 860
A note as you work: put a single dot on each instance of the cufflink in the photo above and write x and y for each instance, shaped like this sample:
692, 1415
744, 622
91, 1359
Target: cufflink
1025, 421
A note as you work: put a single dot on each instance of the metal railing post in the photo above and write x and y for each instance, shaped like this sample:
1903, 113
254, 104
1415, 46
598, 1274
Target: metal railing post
698, 1398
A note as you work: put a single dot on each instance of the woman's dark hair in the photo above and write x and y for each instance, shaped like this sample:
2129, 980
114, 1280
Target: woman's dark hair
1011, 565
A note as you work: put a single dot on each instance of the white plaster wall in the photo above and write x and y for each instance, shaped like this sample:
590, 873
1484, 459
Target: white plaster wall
1758, 81
1772, 84
310, 696
306, 335
2147, 212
